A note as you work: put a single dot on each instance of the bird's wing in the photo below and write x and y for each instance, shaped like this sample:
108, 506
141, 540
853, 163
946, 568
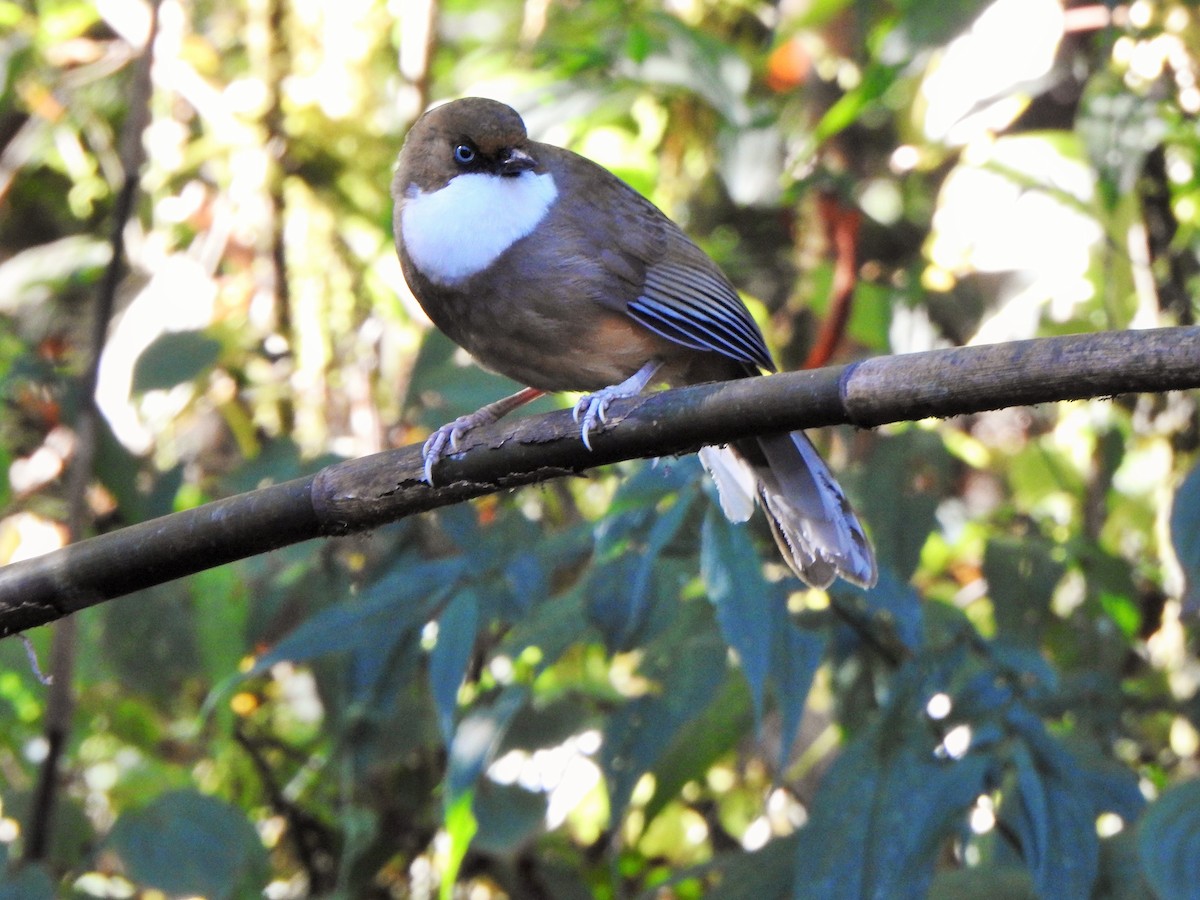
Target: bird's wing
697, 307
671, 286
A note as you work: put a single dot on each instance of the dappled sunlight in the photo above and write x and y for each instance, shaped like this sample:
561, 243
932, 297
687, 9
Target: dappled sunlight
27, 534
978, 85
1021, 205
565, 773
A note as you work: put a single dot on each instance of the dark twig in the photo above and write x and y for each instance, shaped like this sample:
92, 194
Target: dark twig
311, 839
60, 702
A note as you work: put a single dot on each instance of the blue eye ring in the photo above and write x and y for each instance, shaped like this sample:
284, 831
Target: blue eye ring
464, 154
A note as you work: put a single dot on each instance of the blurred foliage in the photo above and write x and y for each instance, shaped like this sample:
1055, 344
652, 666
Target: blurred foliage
599, 688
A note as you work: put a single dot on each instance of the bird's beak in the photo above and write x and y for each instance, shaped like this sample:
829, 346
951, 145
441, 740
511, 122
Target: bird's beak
516, 162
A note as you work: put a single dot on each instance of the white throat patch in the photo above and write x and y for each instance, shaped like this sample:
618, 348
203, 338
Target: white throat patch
452, 233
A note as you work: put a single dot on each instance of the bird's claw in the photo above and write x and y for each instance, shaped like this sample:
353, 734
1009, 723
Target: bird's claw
433, 448
447, 436
590, 411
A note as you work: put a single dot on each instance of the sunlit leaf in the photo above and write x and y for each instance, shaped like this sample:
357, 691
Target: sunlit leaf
923, 26
460, 828
700, 743
1119, 128
546, 724
35, 274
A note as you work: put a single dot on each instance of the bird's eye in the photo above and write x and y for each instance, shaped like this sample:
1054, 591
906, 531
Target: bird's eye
464, 154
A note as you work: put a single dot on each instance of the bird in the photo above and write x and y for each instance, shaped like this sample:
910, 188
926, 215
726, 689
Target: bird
549, 269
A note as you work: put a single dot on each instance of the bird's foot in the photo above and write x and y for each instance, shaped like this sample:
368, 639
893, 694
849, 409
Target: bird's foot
447, 437
592, 409
451, 434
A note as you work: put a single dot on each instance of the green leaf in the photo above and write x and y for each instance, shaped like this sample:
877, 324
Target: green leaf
186, 842
402, 600
640, 731
152, 654
904, 480
173, 358
762, 875
1119, 127
983, 883
1185, 537
851, 105
733, 577
891, 610
556, 627
796, 653
547, 724
1168, 840
508, 816
457, 626
1121, 876
923, 26
621, 588
221, 608
1021, 577
34, 275
72, 836
689, 673
700, 743
880, 815
1053, 817
892, 797
618, 599
29, 882
641, 492
460, 828
678, 55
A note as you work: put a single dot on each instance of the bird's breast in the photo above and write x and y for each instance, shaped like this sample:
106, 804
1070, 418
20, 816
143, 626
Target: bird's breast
543, 331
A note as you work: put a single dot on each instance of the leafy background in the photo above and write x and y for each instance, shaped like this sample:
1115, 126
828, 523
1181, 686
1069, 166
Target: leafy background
598, 687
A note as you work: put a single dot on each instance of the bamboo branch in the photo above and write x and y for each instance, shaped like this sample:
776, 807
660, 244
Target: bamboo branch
363, 493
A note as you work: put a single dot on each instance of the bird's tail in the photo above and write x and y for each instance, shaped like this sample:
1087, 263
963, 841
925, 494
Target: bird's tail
812, 521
